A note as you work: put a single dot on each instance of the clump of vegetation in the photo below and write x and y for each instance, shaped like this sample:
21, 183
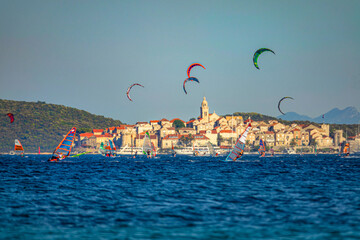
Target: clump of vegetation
41, 124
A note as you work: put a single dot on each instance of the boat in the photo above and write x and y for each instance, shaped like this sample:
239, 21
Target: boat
64, 148
238, 149
262, 148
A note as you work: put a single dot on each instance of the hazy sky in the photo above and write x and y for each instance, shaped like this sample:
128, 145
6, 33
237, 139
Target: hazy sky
85, 54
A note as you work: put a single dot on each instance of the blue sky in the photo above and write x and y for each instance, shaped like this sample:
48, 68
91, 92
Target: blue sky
85, 54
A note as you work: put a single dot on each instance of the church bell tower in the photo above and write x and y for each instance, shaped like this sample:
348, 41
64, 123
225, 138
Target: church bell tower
204, 110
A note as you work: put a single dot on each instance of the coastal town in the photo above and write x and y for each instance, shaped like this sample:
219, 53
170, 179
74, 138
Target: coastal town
219, 131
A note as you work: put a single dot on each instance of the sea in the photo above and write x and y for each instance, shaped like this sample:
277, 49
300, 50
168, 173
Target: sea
94, 197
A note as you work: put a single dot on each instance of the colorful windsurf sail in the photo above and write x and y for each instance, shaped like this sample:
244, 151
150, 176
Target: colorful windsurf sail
211, 150
63, 150
346, 149
147, 144
18, 147
153, 149
262, 148
238, 149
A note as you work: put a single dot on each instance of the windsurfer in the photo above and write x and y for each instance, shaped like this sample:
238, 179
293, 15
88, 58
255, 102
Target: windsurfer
148, 153
239, 155
135, 155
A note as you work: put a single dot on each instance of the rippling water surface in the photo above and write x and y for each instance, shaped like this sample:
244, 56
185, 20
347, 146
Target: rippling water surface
285, 197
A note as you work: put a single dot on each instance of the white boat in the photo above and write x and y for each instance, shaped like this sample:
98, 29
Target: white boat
129, 150
193, 151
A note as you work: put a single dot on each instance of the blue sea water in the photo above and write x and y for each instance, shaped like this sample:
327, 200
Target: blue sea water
93, 197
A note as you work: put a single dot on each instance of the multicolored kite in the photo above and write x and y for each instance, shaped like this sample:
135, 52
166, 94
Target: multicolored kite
11, 116
257, 54
193, 65
281, 101
128, 91
193, 79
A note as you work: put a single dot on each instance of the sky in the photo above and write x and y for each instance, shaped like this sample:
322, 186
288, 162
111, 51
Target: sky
85, 54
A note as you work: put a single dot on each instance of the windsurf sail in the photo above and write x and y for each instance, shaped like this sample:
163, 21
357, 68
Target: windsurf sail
238, 149
147, 143
153, 149
346, 149
18, 147
63, 150
211, 149
262, 148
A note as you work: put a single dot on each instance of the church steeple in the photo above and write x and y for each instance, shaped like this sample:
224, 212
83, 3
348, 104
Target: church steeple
204, 110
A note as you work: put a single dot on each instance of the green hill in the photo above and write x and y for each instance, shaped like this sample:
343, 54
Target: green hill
41, 124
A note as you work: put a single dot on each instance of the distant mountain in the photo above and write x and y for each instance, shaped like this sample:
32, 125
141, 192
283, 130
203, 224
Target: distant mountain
293, 116
349, 115
41, 124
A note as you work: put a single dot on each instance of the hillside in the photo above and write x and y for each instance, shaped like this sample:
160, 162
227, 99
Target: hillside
349, 115
41, 124
348, 129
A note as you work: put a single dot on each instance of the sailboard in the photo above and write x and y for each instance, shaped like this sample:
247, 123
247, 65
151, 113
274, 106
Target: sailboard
147, 144
64, 148
18, 147
79, 154
238, 149
262, 148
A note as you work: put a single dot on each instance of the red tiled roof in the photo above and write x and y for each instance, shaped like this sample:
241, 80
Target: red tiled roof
172, 136
269, 132
98, 130
154, 121
86, 135
190, 121
213, 131
164, 119
142, 123
202, 132
227, 131
112, 128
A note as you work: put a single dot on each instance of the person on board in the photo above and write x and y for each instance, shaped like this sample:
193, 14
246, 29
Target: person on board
148, 154
239, 155
135, 154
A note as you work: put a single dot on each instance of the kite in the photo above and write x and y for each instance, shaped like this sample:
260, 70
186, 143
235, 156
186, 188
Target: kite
193, 79
11, 116
193, 65
128, 91
281, 101
257, 54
